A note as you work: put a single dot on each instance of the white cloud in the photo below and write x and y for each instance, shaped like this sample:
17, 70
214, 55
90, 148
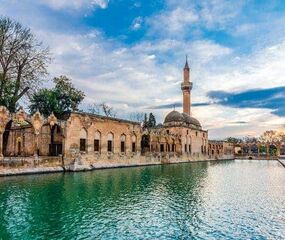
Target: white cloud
174, 21
74, 4
137, 23
149, 72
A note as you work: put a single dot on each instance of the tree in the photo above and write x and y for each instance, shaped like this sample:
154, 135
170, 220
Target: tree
23, 62
145, 121
108, 110
151, 120
94, 108
60, 100
137, 117
233, 140
103, 109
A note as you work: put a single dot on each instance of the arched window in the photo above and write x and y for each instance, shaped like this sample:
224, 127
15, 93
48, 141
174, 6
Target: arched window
185, 145
134, 141
123, 143
97, 142
83, 140
189, 144
110, 142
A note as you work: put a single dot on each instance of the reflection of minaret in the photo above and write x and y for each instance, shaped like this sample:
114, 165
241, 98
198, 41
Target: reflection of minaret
186, 88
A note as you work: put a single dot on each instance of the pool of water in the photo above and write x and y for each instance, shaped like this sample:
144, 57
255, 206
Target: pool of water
239, 199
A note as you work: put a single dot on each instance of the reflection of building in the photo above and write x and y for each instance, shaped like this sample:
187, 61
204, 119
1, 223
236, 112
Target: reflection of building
97, 141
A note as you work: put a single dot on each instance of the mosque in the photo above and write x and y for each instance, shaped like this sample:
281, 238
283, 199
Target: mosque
94, 141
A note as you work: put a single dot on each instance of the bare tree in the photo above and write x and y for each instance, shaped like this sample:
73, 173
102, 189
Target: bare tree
94, 108
137, 117
23, 62
108, 110
102, 108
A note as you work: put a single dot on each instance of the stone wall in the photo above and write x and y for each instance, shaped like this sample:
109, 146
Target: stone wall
88, 128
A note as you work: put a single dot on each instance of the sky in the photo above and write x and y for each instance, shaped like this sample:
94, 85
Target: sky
130, 54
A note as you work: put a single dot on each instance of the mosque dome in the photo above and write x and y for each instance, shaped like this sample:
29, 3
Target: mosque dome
173, 116
191, 120
176, 118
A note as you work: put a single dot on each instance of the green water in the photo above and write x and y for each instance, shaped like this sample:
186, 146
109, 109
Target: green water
222, 200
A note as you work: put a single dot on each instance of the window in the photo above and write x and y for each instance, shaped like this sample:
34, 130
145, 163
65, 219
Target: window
97, 141
134, 140
110, 147
202, 149
96, 145
173, 147
167, 131
123, 145
196, 133
110, 142
189, 148
82, 144
185, 148
187, 132
161, 147
83, 141
133, 147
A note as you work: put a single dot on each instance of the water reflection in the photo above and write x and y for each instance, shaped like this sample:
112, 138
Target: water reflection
201, 200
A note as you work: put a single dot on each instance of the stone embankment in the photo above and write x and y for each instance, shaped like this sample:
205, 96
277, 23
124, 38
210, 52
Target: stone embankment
79, 166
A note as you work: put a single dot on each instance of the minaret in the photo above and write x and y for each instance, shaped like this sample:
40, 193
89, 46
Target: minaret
186, 87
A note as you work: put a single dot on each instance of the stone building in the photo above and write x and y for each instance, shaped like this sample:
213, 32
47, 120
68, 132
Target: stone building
92, 141
181, 135
220, 150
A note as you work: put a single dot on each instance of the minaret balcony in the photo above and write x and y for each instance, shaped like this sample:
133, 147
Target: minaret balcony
186, 86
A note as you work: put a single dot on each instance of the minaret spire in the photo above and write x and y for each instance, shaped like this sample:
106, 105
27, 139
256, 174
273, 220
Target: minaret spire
186, 63
186, 88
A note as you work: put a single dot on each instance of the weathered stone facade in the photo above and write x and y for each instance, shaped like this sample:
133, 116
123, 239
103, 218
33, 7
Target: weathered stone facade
220, 150
86, 141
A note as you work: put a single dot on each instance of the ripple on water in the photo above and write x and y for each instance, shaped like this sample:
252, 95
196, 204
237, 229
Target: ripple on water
225, 200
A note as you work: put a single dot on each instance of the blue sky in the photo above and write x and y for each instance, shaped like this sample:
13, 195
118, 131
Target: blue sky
130, 54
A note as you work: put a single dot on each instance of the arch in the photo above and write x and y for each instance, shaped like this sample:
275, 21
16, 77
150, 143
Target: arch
254, 150
262, 150
245, 150
83, 133
110, 136
272, 150
97, 141
83, 140
134, 138
50, 140
18, 138
123, 143
134, 143
110, 142
98, 135
145, 143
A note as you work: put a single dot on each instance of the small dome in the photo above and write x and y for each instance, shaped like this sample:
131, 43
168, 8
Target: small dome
191, 120
173, 116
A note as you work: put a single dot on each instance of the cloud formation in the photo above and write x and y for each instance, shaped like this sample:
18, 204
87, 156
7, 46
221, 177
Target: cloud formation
232, 50
272, 98
74, 4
